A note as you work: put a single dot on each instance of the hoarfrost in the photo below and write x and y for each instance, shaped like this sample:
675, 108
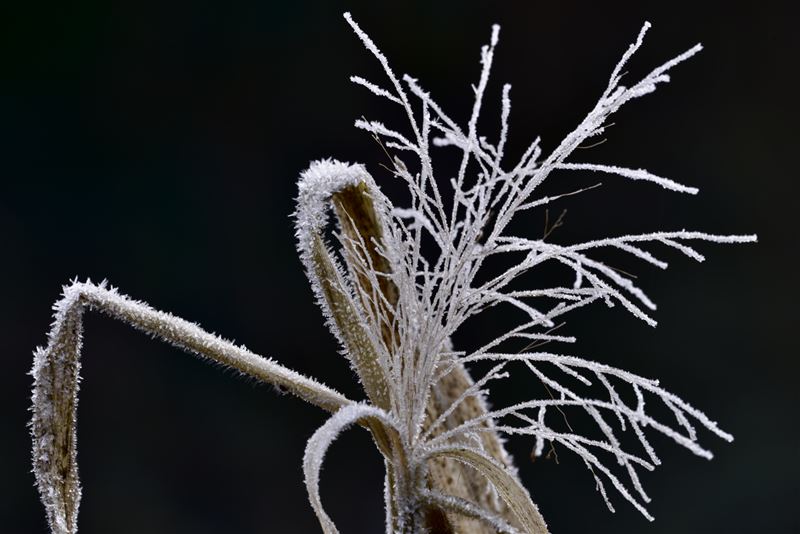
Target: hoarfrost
394, 308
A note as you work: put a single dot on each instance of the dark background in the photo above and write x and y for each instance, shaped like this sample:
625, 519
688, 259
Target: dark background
157, 144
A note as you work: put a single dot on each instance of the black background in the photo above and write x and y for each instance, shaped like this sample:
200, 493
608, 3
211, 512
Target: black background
157, 144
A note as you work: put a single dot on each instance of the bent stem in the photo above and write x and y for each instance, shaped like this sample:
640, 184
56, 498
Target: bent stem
56, 372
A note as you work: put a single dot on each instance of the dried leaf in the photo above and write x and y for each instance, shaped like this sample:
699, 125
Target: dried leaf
507, 485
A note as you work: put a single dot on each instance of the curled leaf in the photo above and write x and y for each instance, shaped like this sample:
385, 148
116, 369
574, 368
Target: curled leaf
509, 488
318, 445
318, 185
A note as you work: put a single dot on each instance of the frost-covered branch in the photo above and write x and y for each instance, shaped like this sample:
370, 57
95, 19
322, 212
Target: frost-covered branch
56, 370
439, 290
533, 415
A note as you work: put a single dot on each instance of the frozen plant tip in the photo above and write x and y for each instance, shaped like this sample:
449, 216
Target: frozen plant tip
396, 285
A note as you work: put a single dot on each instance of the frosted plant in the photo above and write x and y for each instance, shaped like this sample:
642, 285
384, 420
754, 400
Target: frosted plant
402, 281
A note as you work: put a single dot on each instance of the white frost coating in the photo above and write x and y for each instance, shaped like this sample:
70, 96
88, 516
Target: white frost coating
533, 416
315, 187
318, 445
633, 174
56, 376
56, 371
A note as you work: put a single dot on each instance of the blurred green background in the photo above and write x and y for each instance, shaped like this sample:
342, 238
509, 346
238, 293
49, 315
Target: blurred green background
157, 144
